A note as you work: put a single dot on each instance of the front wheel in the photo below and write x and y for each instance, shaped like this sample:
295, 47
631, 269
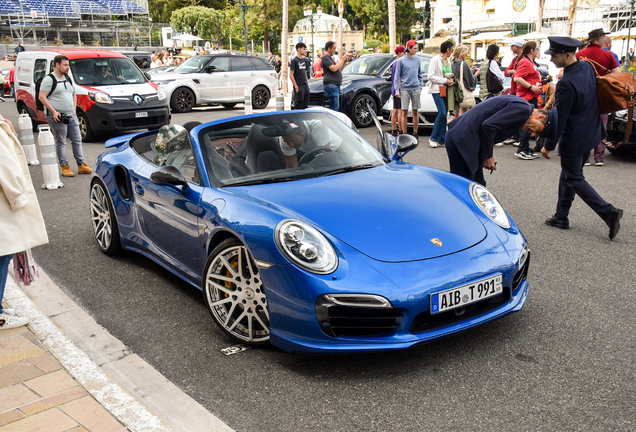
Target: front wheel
360, 111
260, 97
182, 100
234, 294
104, 221
85, 128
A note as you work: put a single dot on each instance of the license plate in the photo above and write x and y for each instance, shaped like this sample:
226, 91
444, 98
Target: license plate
465, 295
141, 114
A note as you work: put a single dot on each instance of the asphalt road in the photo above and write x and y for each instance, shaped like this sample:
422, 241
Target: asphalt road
565, 362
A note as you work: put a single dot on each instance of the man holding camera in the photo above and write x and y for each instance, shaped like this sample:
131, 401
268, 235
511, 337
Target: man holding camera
332, 75
60, 106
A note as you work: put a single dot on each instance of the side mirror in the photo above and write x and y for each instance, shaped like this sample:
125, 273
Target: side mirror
147, 75
169, 175
405, 143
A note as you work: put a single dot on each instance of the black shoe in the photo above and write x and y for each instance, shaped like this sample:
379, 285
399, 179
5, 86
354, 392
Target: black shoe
613, 221
414, 134
562, 224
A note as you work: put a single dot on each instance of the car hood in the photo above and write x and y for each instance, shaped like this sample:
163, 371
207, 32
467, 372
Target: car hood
393, 213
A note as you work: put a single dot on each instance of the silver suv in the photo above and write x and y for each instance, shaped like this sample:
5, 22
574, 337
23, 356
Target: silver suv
219, 79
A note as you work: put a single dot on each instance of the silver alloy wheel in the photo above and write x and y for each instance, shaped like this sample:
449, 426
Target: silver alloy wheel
361, 113
235, 296
100, 217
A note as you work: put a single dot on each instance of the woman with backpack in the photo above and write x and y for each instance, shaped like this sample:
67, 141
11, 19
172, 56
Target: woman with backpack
490, 65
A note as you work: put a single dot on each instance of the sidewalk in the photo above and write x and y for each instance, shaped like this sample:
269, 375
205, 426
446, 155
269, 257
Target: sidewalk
64, 372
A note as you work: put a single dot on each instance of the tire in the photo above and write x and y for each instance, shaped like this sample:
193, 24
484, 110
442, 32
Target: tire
85, 128
22, 109
234, 294
360, 112
229, 105
103, 220
182, 100
260, 97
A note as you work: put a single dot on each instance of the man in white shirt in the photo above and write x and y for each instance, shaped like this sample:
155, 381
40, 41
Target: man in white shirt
298, 139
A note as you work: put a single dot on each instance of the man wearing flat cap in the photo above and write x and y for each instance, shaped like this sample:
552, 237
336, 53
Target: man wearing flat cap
596, 53
575, 124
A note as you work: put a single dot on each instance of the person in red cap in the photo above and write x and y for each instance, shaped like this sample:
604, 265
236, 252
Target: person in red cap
408, 80
397, 101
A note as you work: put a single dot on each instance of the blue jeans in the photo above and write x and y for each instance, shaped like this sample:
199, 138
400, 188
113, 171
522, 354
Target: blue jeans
439, 128
332, 92
60, 132
4, 271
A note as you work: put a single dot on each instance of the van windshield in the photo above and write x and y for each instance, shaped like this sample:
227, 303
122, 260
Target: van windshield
106, 71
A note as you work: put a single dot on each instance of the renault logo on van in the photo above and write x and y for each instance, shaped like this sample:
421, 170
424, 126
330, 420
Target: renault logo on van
138, 100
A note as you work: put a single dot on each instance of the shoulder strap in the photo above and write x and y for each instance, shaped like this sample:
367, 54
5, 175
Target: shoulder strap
53, 85
594, 64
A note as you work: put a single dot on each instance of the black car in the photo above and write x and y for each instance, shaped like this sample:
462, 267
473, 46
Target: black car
616, 127
366, 80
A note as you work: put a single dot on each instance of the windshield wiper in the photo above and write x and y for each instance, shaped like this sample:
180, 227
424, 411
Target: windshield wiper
349, 169
263, 181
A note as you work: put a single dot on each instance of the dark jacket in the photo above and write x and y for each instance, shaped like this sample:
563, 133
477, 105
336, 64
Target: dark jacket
494, 120
578, 128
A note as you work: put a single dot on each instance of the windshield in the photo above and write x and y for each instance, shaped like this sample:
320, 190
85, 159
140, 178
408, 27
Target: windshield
106, 71
192, 65
283, 147
366, 65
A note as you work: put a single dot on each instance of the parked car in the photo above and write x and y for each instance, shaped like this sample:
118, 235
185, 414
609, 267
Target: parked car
347, 252
218, 78
142, 59
616, 128
160, 70
126, 101
366, 80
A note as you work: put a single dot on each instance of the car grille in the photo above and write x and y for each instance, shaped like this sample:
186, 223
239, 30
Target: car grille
141, 122
338, 321
426, 322
317, 99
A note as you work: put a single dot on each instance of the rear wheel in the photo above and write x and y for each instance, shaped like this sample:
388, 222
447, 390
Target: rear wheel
360, 111
260, 97
85, 128
182, 100
234, 294
104, 221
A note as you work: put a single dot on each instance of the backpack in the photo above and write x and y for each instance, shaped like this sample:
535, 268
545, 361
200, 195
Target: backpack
38, 103
616, 91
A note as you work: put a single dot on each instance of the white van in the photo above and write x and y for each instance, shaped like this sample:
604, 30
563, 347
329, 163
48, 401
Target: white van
125, 102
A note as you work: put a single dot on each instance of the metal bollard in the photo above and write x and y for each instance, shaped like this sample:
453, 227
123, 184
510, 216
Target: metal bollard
25, 126
280, 101
50, 168
248, 100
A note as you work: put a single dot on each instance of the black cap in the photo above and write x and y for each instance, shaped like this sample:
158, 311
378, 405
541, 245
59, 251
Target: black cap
550, 130
562, 44
595, 34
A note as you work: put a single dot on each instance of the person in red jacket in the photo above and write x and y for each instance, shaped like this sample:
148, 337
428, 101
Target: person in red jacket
529, 88
595, 52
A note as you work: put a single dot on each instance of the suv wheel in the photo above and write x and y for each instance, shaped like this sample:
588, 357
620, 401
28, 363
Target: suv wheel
260, 97
182, 100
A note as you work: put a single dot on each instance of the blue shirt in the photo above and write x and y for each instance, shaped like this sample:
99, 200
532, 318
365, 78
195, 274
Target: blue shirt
409, 72
618, 62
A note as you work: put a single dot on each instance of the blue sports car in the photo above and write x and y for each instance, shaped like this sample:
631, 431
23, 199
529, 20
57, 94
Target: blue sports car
303, 235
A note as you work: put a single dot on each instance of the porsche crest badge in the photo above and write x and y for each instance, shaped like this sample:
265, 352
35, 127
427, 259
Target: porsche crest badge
436, 242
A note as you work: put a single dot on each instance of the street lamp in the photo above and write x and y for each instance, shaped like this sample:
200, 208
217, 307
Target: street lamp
418, 30
425, 9
308, 12
243, 6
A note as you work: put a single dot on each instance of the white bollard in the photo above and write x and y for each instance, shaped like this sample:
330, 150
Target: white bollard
50, 167
248, 100
280, 101
25, 126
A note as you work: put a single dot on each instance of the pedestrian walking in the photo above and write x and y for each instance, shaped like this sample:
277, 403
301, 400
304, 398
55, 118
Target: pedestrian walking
462, 71
471, 138
18, 49
594, 51
332, 75
21, 222
396, 117
438, 69
528, 82
60, 102
301, 73
409, 78
578, 130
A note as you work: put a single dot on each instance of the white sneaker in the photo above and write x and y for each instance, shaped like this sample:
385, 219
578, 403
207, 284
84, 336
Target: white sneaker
432, 143
516, 143
499, 144
11, 321
8, 311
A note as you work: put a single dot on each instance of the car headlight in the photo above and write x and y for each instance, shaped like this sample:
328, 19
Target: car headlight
489, 205
100, 97
345, 84
306, 247
161, 93
162, 82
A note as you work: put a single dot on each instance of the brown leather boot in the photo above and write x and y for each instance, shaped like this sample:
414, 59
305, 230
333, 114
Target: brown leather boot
66, 171
84, 169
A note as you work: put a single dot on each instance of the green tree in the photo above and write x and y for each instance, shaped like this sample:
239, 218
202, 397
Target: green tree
207, 21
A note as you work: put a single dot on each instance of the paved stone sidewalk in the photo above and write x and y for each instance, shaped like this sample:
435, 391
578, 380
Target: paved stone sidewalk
38, 394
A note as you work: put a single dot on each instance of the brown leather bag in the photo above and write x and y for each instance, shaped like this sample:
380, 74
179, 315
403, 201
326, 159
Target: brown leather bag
616, 91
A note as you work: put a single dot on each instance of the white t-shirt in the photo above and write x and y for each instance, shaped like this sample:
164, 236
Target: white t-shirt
317, 136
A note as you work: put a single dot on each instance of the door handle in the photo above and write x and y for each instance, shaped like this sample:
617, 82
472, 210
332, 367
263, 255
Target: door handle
139, 190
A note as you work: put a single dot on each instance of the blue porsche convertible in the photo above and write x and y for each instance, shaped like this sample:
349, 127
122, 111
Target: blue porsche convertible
302, 234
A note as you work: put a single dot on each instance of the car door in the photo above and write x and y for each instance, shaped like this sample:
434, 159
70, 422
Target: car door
169, 215
427, 104
243, 74
216, 85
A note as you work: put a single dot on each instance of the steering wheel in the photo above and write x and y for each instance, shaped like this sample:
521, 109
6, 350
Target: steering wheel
311, 154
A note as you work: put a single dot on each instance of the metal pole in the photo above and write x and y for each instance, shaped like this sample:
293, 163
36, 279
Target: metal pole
459, 37
629, 32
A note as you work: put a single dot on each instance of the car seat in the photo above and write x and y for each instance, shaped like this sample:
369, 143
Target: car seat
263, 153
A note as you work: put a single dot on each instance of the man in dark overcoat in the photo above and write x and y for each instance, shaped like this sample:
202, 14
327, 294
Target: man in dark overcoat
577, 129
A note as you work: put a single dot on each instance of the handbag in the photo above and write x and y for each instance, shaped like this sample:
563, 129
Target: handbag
442, 91
492, 82
469, 97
